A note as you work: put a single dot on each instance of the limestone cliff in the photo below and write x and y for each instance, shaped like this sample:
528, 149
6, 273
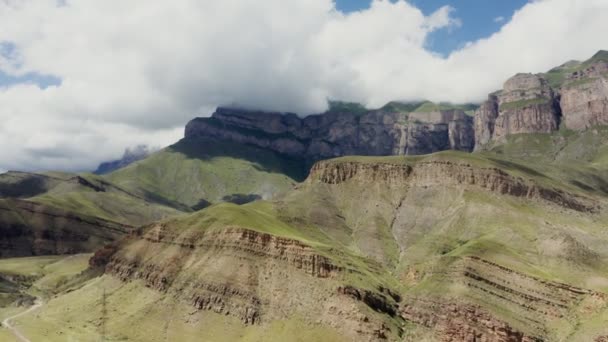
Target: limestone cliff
333, 134
573, 96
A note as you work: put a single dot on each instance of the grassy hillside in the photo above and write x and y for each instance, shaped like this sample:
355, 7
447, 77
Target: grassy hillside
557, 76
425, 227
577, 159
427, 106
196, 172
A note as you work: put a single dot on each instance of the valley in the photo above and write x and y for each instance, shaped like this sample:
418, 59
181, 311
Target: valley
411, 222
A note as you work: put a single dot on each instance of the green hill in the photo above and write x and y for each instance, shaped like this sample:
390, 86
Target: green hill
197, 172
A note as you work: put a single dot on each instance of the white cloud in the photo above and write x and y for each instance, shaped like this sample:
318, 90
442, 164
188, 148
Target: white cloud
136, 71
499, 19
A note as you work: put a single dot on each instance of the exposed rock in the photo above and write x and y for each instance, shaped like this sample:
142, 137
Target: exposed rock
577, 99
255, 277
453, 322
446, 173
584, 97
340, 133
374, 300
525, 105
485, 120
534, 302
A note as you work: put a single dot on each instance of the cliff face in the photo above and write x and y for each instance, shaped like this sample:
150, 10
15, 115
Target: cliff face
425, 212
584, 98
340, 133
252, 276
573, 96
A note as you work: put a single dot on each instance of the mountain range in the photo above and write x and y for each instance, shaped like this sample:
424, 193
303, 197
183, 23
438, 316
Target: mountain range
412, 222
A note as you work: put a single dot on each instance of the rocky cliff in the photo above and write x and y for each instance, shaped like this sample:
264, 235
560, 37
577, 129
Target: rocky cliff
573, 96
338, 133
251, 275
433, 218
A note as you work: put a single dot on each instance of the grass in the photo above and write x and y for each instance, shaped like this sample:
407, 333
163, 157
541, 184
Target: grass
76, 316
197, 169
346, 107
576, 160
579, 82
428, 230
433, 107
111, 206
556, 77
45, 274
401, 107
259, 216
523, 103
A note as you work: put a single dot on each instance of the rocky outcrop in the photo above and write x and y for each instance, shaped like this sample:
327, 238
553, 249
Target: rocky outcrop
445, 173
532, 302
584, 97
336, 134
525, 105
28, 228
253, 276
336, 172
455, 322
573, 96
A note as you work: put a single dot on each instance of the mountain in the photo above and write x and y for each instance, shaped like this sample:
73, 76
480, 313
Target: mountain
130, 156
59, 213
387, 131
449, 246
573, 96
248, 229
198, 171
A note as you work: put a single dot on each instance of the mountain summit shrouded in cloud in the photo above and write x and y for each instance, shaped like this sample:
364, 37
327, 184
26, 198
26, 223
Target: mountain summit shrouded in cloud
134, 72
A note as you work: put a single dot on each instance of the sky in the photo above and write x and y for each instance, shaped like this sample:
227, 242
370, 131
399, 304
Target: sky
478, 19
81, 80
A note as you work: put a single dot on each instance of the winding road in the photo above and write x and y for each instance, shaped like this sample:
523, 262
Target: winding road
7, 321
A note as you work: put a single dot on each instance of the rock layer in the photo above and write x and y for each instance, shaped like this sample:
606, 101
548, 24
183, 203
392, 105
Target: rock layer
446, 173
576, 99
532, 301
332, 134
253, 276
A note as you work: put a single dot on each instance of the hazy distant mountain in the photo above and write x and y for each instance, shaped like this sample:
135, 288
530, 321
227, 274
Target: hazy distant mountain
130, 155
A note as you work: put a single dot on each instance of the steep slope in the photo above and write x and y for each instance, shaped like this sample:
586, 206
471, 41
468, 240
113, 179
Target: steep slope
486, 248
395, 129
85, 194
242, 268
573, 96
65, 213
196, 172
29, 228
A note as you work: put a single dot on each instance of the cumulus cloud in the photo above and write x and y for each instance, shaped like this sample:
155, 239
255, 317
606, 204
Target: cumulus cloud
134, 72
499, 19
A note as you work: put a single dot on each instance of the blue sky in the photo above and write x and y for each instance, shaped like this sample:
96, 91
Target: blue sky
478, 17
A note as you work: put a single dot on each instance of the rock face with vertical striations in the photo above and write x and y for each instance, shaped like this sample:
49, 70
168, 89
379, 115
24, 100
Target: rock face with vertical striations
333, 134
572, 96
584, 95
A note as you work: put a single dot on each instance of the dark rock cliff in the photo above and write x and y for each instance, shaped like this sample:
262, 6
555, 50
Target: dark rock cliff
336, 134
